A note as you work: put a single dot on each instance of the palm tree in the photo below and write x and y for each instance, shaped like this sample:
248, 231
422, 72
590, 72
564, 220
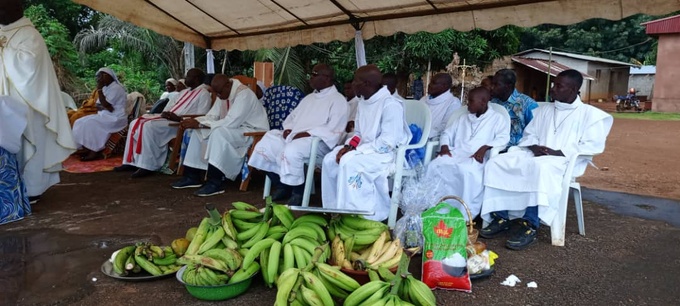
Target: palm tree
156, 48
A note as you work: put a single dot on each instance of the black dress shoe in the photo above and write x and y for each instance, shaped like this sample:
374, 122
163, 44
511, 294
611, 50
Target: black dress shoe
141, 173
123, 168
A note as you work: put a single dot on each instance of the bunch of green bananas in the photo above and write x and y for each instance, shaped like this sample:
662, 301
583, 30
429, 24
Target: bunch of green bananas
289, 244
155, 260
386, 288
361, 244
315, 284
203, 275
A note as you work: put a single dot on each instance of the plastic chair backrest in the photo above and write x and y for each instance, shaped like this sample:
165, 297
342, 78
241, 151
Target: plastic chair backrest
418, 113
279, 101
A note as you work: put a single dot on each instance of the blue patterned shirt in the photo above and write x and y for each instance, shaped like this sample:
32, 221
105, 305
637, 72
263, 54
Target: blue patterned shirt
519, 107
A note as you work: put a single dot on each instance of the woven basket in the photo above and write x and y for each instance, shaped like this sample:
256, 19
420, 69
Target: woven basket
472, 232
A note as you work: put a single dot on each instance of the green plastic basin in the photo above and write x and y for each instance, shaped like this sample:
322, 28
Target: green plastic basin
216, 293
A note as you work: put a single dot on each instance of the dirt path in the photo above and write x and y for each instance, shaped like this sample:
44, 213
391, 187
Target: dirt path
642, 157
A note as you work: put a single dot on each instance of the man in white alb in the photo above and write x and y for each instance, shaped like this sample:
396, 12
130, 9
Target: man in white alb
27, 75
526, 182
441, 102
459, 169
217, 143
354, 176
146, 146
281, 154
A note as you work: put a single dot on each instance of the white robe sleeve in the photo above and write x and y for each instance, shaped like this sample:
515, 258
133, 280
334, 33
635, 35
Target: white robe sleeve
593, 139
238, 112
391, 130
530, 136
213, 114
337, 121
449, 133
501, 132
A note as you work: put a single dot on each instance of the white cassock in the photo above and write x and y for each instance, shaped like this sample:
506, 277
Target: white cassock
397, 96
146, 145
359, 182
223, 144
93, 131
352, 105
460, 174
27, 75
517, 180
441, 108
322, 114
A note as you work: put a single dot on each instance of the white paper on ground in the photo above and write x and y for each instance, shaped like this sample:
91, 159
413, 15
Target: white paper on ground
511, 281
532, 285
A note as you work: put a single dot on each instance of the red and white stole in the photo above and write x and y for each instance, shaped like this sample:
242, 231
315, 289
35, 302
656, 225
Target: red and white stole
184, 101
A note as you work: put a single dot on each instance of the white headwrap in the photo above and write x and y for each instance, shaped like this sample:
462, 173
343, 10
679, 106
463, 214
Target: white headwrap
110, 72
171, 81
182, 81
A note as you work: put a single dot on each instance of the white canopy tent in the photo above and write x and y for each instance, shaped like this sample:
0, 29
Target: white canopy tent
256, 24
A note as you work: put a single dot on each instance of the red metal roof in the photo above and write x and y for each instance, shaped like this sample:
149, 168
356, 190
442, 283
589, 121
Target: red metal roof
542, 65
668, 25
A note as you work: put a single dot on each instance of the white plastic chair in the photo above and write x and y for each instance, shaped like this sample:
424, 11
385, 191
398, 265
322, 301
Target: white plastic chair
309, 179
431, 145
416, 113
558, 226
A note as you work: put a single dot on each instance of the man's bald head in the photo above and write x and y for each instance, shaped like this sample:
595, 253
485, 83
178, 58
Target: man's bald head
441, 83
322, 77
11, 11
367, 81
221, 86
195, 77
390, 80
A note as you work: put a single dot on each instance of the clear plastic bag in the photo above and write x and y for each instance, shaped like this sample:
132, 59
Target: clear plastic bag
417, 195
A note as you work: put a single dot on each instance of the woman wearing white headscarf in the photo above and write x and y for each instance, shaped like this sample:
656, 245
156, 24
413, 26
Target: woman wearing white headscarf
170, 89
91, 132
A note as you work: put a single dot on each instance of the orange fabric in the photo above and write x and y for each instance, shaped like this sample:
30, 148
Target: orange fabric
88, 107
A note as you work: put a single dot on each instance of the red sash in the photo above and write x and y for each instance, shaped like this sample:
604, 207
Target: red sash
185, 99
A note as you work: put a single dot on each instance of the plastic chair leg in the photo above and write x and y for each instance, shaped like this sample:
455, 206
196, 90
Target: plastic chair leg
267, 187
576, 193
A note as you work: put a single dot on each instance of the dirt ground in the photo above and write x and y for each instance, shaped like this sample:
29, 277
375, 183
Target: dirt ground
54, 256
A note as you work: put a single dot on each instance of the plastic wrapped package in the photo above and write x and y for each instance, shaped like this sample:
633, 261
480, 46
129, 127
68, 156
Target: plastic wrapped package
417, 195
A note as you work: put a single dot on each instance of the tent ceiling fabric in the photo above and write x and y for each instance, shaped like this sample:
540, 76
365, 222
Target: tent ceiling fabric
256, 24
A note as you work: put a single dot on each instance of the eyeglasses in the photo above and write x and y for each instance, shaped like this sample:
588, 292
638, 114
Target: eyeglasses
314, 73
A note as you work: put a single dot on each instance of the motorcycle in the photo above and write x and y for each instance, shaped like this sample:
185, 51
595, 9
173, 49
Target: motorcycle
627, 102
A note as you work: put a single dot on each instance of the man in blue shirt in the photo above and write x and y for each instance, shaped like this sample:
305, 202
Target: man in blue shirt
519, 105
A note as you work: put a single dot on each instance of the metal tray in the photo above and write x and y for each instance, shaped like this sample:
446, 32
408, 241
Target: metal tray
331, 210
107, 269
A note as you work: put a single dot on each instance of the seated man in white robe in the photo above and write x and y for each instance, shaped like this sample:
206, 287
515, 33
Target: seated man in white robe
91, 132
526, 182
441, 102
217, 143
354, 176
170, 89
146, 146
390, 80
459, 169
282, 154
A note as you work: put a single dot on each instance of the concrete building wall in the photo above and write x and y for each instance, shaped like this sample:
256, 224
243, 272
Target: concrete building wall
643, 84
666, 96
610, 80
577, 64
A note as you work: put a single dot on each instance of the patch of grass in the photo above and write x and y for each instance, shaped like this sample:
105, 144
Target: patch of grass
648, 116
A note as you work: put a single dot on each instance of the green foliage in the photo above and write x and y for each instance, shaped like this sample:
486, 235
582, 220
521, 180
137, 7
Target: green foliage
62, 51
649, 116
72, 15
623, 40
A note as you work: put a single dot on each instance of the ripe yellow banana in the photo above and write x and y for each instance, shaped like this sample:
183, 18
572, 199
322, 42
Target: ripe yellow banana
391, 252
377, 247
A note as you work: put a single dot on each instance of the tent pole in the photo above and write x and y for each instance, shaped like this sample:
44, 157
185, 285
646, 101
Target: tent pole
547, 83
428, 76
188, 57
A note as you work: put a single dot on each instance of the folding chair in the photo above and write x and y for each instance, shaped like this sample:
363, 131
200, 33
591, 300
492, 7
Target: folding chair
116, 142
